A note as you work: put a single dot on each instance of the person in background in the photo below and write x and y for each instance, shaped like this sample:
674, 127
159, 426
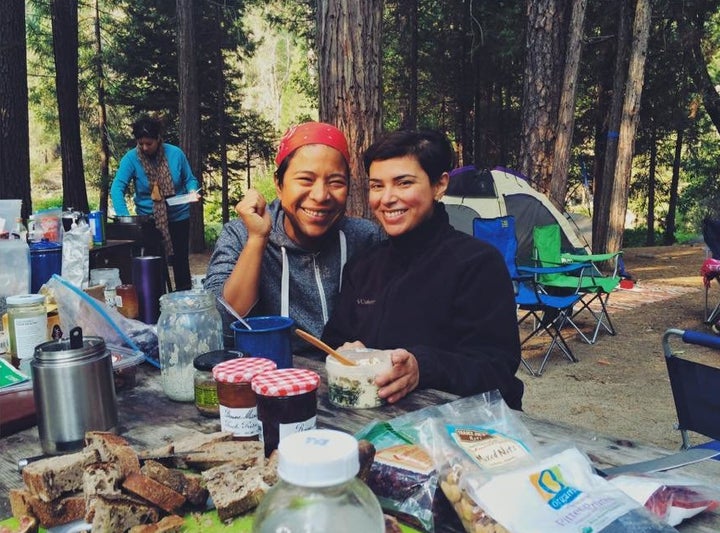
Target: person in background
158, 170
442, 300
287, 257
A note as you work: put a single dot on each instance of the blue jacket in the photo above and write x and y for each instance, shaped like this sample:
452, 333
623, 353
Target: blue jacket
314, 276
131, 169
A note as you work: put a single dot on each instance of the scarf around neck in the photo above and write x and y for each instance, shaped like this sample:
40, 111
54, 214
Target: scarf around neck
161, 186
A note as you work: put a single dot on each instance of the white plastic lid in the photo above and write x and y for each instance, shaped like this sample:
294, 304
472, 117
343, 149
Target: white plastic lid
318, 458
25, 299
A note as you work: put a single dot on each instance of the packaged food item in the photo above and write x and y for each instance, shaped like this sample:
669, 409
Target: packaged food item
125, 362
206, 393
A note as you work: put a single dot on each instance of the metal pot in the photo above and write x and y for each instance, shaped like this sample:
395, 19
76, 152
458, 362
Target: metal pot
131, 219
74, 391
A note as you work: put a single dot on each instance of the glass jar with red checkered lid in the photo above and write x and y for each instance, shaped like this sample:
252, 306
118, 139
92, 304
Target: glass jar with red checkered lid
286, 403
236, 399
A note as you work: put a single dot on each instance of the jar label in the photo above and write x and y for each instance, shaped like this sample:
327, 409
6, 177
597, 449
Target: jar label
296, 427
241, 421
26, 333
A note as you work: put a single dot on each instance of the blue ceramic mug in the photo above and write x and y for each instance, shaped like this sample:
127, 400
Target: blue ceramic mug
269, 338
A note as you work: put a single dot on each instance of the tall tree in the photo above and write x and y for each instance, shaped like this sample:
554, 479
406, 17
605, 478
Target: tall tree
566, 115
348, 39
669, 236
65, 51
544, 64
102, 115
628, 127
14, 135
189, 110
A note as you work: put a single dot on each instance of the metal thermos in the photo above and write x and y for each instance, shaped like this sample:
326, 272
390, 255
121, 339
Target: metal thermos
74, 391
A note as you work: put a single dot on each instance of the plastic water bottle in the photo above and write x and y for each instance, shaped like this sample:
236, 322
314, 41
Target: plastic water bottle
318, 491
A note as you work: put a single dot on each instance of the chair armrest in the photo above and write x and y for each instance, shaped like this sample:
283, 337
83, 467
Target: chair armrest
592, 257
563, 269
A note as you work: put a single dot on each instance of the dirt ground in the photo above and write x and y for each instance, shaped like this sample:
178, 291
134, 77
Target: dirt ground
619, 386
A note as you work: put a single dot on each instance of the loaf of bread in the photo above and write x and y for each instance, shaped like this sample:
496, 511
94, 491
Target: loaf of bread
188, 485
169, 524
52, 477
236, 489
156, 493
248, 453
120, 514
49, 514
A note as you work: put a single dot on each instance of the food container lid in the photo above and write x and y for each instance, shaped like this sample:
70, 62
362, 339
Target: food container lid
242, 370
285, 382
25, 299
45, 245
318, 458
61, 351
207, 361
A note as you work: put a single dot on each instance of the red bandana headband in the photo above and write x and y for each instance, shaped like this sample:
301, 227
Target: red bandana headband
312, 133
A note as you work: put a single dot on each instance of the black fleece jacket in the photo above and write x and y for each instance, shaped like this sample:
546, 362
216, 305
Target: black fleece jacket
444, 296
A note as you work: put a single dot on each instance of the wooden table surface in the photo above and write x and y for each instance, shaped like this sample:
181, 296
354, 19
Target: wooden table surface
148, 419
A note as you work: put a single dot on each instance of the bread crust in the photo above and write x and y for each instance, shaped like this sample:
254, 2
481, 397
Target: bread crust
154, 492
49, 514
52, 477
213, 454
189, 486
169, 524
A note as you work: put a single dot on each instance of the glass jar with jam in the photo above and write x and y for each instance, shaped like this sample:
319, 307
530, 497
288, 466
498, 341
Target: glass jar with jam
238, 403
206, 396
286, 403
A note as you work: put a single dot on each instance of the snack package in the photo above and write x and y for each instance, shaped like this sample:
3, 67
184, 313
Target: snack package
671, 497
402, 474
498, 478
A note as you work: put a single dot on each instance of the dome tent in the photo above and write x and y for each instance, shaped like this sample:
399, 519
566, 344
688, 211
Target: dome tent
474, 193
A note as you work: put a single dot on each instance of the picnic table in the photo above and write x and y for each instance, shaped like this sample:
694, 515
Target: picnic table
147, 419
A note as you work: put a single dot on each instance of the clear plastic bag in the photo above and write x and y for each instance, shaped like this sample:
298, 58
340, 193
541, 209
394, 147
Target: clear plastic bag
77, 308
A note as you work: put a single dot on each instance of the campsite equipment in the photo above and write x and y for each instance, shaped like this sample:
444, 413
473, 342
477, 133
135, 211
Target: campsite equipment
711, 266
268, 338
475, 193
74, 391
45, 260
694, 387
592, 284
548, 313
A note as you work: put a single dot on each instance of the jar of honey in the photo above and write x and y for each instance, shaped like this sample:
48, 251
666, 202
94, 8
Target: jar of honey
126, 301
206, 395
238, 404
286, 403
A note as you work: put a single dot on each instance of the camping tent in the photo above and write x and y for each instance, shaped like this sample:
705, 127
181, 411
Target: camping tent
474, 193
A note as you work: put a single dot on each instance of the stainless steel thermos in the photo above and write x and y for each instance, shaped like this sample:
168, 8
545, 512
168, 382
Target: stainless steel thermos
74, 391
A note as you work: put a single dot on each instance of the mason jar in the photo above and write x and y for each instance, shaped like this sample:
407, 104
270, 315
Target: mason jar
189, 325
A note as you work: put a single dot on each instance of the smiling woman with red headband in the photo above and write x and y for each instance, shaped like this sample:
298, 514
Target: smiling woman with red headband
286, 258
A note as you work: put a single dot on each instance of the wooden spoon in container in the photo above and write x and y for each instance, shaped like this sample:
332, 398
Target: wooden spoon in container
324, 347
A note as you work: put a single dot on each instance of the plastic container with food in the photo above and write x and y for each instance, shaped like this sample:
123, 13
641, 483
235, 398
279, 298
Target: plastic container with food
354, 386
125, 362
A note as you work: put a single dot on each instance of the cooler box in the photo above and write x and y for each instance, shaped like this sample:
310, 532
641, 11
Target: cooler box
45, 260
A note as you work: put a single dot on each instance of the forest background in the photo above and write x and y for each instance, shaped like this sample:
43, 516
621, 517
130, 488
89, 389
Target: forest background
607, 106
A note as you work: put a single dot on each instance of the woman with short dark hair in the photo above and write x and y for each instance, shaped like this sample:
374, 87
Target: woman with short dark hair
441, 300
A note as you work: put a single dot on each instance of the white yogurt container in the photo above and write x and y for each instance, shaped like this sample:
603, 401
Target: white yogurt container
354, 386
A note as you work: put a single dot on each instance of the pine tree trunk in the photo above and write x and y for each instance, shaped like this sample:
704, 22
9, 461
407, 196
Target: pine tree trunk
544, 66
628, 125
189, 111
652, 171
670, 226
15, 145
566, 115
65, 51
604, 186
102, 114
349, 35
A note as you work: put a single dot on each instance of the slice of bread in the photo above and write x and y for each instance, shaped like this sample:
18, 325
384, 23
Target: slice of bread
156, 493
49, 514
52, 477
169, 524
188, 485
113, 448
187, 443
236, 489
213, 454
120, 514
102, 479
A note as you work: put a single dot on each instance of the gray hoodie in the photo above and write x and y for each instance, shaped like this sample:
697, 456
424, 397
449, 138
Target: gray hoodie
312, 279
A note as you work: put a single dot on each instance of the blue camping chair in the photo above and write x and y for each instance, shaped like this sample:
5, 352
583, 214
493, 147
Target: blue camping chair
695, 388
548, 313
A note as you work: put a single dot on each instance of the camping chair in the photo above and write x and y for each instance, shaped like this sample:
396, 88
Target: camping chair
592, 284
549, 313
695, 388
710, 269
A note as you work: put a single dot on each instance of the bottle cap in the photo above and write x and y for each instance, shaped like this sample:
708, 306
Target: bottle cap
318, 458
